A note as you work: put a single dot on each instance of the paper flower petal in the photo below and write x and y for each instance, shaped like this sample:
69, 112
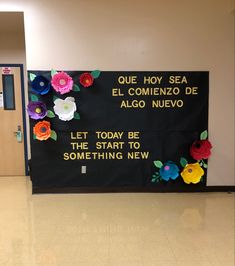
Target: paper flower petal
86, 79
65, 108
40, 85
62, 82
169, 170
42, 130
192, 173
201, 149
37, 110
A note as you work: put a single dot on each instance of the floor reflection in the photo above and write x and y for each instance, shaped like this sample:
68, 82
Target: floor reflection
114, 229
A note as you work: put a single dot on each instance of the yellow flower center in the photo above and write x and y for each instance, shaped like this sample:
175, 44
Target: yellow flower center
66, 107
38, 110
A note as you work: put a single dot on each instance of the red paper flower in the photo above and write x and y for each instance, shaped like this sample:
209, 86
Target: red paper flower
201, 149
86, 79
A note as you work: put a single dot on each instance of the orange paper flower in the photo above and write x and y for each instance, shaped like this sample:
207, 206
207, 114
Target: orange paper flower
42, 130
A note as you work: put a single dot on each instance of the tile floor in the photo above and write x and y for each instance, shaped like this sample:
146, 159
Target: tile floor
114, 229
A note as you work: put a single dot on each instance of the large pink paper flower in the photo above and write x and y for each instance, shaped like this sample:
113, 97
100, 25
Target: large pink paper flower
62, 82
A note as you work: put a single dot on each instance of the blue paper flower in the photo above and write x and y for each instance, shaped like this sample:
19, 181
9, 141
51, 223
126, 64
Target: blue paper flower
41, 85
169, 171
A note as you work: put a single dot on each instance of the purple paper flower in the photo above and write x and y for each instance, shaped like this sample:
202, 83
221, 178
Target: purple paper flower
37, 110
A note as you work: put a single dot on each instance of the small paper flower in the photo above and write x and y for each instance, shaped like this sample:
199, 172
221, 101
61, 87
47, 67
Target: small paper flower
42, 130
201, 149
40, 85
192, 173
65, 109
37, 110
86, 79
62, 82
169, 171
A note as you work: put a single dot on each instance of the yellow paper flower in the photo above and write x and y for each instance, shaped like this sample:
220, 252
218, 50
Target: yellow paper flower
192, 173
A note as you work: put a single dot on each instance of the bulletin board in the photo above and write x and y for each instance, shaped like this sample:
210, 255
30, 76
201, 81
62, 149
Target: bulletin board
123, 130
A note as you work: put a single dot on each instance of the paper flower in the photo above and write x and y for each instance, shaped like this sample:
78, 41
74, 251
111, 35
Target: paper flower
42, 130
37, 110
40, 85
201, 149
192, 173
65, 109
86, 79
62, 82
169, 171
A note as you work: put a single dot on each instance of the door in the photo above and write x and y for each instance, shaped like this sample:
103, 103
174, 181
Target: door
12, 159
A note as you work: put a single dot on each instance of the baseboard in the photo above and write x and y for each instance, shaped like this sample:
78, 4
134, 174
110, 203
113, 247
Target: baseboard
51, 190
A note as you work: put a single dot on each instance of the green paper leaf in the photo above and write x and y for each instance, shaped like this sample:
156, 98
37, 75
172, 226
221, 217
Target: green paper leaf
34, 136
53, 135
183, 162
158, 164
204, 135
95, 74
50, 114
76, 87
205, 165
76, 116
32, 76
55, 98
53, 72
34, 98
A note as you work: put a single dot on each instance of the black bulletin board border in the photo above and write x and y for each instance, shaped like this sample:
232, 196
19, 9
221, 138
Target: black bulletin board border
71, 190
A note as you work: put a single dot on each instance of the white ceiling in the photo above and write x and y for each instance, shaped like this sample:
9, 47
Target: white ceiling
12, 22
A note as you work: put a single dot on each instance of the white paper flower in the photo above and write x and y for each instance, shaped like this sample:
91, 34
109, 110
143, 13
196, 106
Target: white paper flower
65, 108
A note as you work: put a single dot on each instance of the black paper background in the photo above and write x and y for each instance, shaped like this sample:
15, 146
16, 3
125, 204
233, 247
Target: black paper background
166, 133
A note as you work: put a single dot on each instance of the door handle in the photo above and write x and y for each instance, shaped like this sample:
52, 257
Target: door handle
18, 134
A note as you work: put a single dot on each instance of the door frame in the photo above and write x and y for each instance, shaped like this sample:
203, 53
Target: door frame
21, 66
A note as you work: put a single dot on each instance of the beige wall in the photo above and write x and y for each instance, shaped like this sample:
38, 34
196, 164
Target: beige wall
12, 40
143, 35
12, 49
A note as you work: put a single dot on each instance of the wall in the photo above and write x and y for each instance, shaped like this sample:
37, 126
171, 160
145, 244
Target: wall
143, 35
12, 49
12, 44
